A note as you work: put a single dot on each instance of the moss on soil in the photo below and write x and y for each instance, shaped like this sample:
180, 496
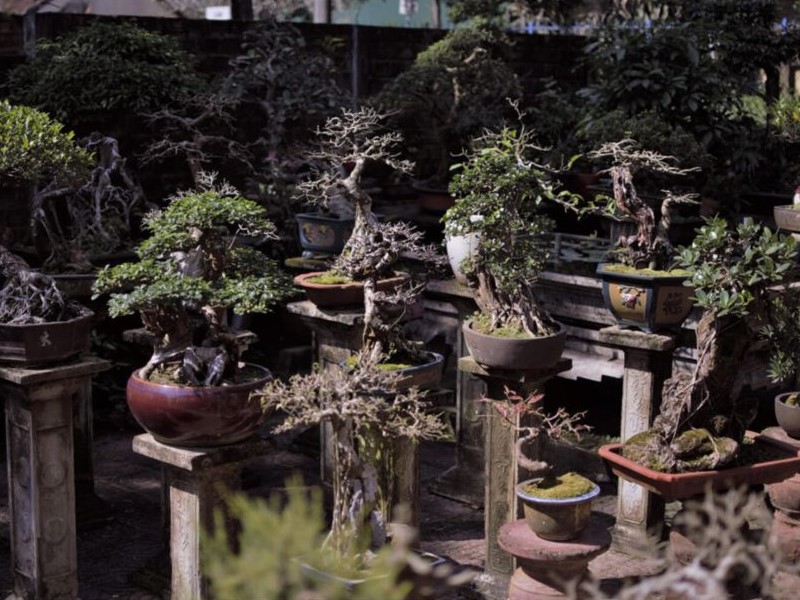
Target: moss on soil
569, 485
482, 324
329, 278
384, 366
792, 399
164, 376
628, 270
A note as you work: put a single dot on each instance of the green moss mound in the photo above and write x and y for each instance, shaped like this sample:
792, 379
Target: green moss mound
384, 366
569, 485
792, 399
482, 324
329, 278
628, 270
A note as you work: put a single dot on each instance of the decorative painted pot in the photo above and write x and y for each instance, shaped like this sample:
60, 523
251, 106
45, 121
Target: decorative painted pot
38, 344
787, 217
556, 519
677, 486
788, 416
343, 294
321, 233
459, 248
522, 354
198, 416
646, 302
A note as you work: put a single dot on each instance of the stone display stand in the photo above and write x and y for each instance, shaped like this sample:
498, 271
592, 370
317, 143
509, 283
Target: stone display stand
501, 470
464, 481
648, 363
545, 567
195, 479
41, 471
785, 498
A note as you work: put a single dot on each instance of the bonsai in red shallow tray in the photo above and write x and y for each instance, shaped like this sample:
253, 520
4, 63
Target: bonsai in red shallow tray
779, 462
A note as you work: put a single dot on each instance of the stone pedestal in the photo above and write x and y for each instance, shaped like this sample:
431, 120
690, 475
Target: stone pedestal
648, 363
785, 497
464, 481
502, 473
41, 470
546, 567
196, 478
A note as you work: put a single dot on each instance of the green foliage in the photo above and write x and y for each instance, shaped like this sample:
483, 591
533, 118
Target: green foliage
34, 147
785, 114
103, 69
192, 258
456, 87
275, 546
731, 268
498, 191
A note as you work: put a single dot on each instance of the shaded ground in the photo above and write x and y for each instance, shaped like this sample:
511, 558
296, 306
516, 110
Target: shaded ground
110, 553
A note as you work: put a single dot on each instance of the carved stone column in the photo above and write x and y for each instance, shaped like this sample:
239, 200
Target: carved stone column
41, 472
648, 363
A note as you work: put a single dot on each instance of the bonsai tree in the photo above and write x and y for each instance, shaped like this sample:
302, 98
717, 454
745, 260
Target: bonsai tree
189, 270
456, 87
737, 273
498, 190
36, 149
96, 76
359, 404
649, 247
527, 416
347, 144
28, 297
70, 222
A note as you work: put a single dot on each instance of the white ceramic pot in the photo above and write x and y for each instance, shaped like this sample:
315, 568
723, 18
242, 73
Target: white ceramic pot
460, 247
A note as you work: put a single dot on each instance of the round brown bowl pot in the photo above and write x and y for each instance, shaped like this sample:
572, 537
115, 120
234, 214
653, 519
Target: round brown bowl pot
514, 353
788, 416
197, 416
556, 519
343, 294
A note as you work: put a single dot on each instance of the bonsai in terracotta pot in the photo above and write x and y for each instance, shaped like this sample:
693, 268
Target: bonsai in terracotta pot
347, 144
498, 191
739, 275
556, 506
194, 390
640, 287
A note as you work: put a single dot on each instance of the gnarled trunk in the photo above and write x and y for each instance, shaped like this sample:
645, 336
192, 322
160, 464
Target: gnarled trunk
515, 311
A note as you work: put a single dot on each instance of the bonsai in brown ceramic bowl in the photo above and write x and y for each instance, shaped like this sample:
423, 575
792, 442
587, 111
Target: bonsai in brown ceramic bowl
498, 193
195, 391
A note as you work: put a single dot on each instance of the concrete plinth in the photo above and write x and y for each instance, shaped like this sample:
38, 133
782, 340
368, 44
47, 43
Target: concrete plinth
41, 470
464, 481
545, 567
648, 363
501, 470
196, 479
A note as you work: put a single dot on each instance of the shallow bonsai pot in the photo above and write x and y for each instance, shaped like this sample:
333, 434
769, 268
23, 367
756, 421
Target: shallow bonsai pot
432, 199
38, 344
343, 294
677, 486
787, 217
323, 233
788, 416
197, 416
646, 302
556, 519
425, 375
522, 354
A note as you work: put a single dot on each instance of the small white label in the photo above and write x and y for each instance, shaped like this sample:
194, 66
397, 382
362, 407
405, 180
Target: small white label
218, 13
